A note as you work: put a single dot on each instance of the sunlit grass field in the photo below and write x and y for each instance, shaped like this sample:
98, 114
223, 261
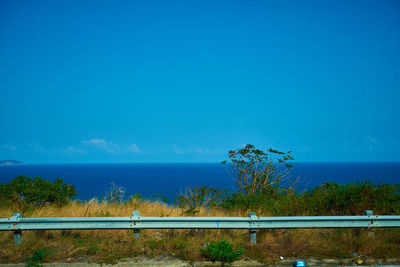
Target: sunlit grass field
110, 246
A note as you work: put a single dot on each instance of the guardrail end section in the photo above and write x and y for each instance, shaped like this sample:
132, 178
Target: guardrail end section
136, 232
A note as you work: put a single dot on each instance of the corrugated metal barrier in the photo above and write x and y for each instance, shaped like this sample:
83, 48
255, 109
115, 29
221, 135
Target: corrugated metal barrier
17, 223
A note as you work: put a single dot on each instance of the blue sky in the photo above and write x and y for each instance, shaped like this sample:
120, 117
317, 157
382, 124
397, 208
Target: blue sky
185, 81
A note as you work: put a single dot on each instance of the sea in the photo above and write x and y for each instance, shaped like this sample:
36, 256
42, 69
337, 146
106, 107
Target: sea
170, 179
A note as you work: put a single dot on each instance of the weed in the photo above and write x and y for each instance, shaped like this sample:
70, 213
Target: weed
37, 257
222, 251
92, 249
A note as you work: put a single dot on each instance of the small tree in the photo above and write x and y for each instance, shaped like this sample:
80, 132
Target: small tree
255, 170
222, 251
194, 198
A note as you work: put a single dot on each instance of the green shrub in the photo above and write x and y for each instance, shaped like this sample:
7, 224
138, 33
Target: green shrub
24, 192
353, 198
326, 199
274, 201
37, 257
222, 251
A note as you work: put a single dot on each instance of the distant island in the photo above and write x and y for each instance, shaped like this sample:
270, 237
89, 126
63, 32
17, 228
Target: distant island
11, 162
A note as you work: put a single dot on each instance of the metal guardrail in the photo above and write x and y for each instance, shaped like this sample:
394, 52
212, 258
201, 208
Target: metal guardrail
17, 224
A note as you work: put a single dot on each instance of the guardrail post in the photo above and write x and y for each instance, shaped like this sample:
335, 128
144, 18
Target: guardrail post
370, 229
136, 232
17, 233
253, 232
368, 213
253, 236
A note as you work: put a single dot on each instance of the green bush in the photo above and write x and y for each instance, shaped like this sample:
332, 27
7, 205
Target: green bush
26, 192
353, 198
37, 257
327, 199
222, 251
274, 201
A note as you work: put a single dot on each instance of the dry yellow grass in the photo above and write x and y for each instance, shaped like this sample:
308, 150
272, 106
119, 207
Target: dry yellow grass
112, 245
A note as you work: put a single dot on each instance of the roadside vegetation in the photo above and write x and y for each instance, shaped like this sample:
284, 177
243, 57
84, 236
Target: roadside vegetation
263, 186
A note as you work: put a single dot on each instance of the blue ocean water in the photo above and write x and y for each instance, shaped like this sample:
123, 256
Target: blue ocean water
93, 180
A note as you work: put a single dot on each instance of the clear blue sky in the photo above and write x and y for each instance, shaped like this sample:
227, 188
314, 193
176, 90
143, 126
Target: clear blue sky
185, 81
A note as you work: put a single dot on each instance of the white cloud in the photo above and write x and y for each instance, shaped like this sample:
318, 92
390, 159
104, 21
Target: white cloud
200, 150
108, 146
133, 148
95, 141
373, 143
193, 150
177, 150
11, 147
371, 139
73, 150
37, 148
